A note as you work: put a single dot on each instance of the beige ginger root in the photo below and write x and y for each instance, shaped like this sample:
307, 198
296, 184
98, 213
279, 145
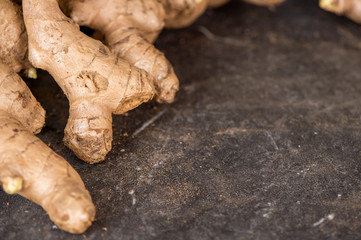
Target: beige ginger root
348, 8
96, 82
130, 27
13, 38
28, 166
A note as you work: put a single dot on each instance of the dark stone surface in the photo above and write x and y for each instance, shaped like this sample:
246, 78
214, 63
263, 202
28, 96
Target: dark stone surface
262, 142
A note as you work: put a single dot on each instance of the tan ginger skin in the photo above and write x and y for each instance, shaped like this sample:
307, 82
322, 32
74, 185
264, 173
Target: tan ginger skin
30, 168
27, 165
13, 38
130, 27
96, 82
348, 8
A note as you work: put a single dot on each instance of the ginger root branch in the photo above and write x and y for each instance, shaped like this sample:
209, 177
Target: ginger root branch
29, 167
12, 185
96, 82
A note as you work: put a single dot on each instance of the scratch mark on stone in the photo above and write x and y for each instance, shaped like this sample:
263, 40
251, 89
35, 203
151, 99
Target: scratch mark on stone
329, 217
157, 164
272, 141
147, 123
224, 40
131, 193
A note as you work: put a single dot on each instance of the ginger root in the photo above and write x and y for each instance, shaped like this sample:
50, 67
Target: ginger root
96, 82
99, 82
129, 28
13, 38
348, 8
28, 166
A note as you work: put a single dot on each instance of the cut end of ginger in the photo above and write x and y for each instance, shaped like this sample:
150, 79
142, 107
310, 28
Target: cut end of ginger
31, 73
330, 5
12, 185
